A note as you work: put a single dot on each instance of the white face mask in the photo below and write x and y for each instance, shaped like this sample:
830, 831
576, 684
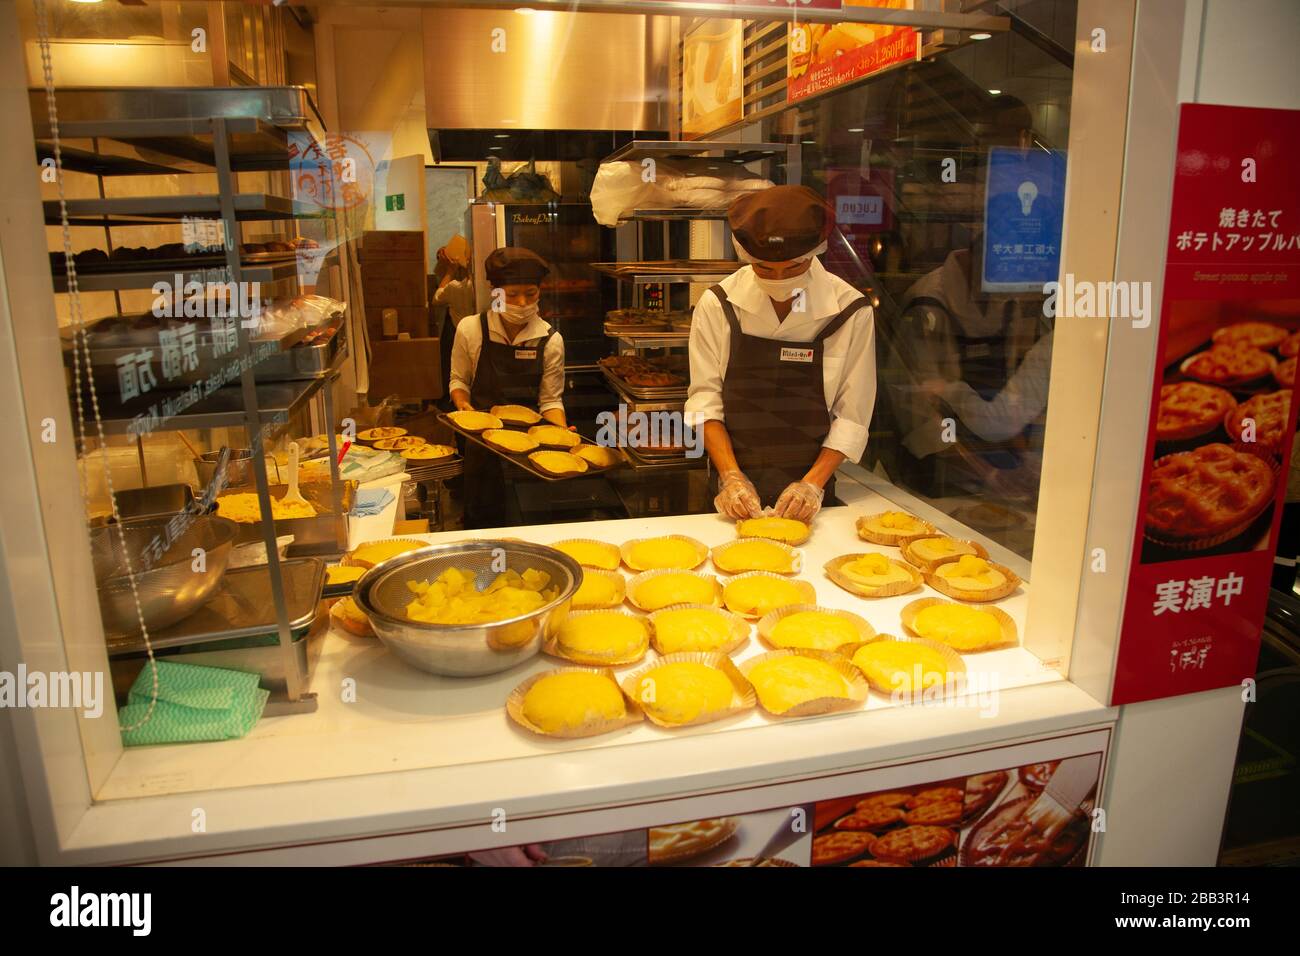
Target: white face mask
782, 289
519, 314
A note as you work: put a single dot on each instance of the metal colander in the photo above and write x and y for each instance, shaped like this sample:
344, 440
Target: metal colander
465, 650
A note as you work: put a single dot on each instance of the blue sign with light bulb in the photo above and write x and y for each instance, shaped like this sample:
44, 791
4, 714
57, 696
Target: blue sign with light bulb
1024, 201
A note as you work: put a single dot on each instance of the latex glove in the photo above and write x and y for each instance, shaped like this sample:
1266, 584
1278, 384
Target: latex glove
737, 497
801, 500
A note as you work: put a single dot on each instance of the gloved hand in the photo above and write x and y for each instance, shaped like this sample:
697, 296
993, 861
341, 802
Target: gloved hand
801, 500
737, 497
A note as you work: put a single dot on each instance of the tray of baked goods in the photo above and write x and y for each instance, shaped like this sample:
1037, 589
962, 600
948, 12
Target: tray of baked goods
174, 255
542, 449
633, 324
663, 377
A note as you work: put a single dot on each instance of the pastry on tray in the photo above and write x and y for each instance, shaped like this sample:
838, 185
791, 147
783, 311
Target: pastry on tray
599, 589
661, 588
384, 431
695, 627
1190, 410
558, 463
789, 530
553, 436
755, 593
971, 578
872, 575
601, 637
801, 682
893, 528
668, 551
813, 628
474, 421
427, 452
509, 440
1204, 497
1270, 414
597, 456
893, 666
1254, 335
516, 414
928, 553
680, 692
590, 553
399, 443
570, 702
756, 554
967, 630
1229, 366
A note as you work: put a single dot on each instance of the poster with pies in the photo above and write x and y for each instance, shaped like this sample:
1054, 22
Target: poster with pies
825, 56
712, 67
1222, 423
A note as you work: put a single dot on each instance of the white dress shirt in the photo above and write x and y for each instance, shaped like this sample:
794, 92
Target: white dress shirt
458, 297
848, 360
469, 343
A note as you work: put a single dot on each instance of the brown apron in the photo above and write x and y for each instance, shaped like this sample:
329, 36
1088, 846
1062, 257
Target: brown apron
774, 399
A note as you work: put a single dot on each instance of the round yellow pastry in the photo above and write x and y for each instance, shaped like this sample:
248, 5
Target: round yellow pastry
354, 620
958, 626
428, 452
555, 435
814, 631
591, 554
789, 680
691, 629
376, 552
874, 571
682, 691
754, 554
780, 529
940, 549
572, 699
665, 590
521, 414
756, 596
971, 573
897, 665
475, 421
384, 431
340, 574
510, 440
655, 553
603, 635
599, 590
597, 456
558, 462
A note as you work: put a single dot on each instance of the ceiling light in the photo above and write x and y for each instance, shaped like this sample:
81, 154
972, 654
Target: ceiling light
981, 36
996, 92
501, 136
809, 142
496, 147
857, 129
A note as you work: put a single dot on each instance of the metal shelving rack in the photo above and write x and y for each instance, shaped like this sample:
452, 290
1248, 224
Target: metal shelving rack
204, 137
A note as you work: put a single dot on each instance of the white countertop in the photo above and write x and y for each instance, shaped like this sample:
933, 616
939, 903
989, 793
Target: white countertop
453, 736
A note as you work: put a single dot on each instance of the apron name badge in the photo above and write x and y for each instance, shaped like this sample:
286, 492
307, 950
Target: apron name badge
525, 353
796, 355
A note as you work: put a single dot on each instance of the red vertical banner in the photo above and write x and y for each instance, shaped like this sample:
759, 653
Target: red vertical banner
1221, 423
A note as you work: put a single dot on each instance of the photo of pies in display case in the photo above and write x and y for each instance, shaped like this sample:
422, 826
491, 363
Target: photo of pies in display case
1284, 374
680, 842
1007, 837
776, 837
1191, 410
1229, 367
1260, 423
1254, 335
1197, 500
912, 826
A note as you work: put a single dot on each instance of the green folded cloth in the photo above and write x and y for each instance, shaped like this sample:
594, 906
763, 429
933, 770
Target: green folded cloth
194, 703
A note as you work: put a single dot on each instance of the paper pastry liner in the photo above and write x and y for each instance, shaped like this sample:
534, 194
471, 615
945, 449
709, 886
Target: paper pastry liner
1238, 528
834, 571
459, 418
533, 417
943, 586
701, 551
562, 444
1009, 637
619, 457
954, 666
347, 560
892, 539
742, 697
720, 563
857, 685
793, 542
492, 437
515, 707
767, 623
809, 592
615, 578
725, 830
765, 861
580, 466
639, 579
929, 564
354, 627
1232, 383
552, 643
610, 549
738, 625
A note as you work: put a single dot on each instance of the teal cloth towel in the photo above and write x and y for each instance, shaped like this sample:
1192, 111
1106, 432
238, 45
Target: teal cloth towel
194, 703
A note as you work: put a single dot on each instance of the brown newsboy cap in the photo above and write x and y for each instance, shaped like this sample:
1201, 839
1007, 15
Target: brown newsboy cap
780, 223
512, 265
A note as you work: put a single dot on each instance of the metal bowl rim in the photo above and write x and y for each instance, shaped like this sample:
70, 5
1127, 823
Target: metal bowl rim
370, 580
227, 530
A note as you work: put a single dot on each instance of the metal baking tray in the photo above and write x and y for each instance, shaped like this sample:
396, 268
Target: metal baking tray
664, 394
290, 107
521, 460
236, 628
182, 264
315, 535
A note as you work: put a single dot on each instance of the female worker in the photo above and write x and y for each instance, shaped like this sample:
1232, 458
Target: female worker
506, 355
783, 368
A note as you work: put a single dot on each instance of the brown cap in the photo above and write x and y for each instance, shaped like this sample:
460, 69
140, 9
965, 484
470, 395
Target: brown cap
780, 223
512, 265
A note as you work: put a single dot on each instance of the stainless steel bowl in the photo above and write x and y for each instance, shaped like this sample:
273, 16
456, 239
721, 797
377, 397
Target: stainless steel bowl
169, 589
465, 650
239, 471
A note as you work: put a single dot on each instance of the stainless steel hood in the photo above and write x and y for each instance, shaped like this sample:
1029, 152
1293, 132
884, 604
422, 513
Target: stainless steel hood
500, 69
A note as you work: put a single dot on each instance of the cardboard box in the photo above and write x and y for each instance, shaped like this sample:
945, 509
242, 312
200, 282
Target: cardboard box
412, 320
380, 292
393, 244
409, 368
408, 270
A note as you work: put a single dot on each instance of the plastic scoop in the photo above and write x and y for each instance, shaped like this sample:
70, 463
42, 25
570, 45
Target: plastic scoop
292, 496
